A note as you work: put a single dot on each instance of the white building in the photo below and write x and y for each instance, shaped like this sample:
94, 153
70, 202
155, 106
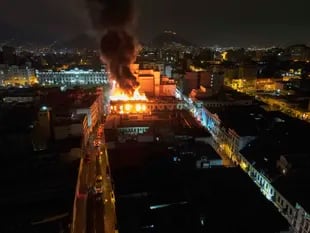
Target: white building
72, 77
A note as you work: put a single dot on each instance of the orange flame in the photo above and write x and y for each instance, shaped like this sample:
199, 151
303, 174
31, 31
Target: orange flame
127, 104
119, 95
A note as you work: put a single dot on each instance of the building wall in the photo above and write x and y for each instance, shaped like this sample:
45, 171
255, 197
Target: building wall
205, 163
205, 79
93, 112
16, 75
44, 121
294, 213
154, 66
151, 80
228, 103
72, 77
86, 130
168, 71
42, 132
65, 131
145, 138
217, 82
167, 90
165, 106
133, 130
191, 81
266, 84
150, 107
87, 112
147, 85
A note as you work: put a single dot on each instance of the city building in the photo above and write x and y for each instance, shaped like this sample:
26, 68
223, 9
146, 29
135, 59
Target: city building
73, 113
299, 52
39, 173
245, 133
156, 66
282, 173
225, 97
17, 75
152, 83
74, 77
207, 82
243, 76
177, 191
145, 107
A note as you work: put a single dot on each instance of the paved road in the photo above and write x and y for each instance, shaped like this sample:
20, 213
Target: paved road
86, 179
95, 212
108, 194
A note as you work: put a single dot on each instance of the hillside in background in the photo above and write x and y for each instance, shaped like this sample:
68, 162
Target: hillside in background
82, 41
168, 38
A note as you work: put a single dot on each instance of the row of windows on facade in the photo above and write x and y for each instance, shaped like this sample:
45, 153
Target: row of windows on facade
79, 81
162, 107
305, 226
279, 200
68, 80
156, 107
133, 130
266, 186
73, 76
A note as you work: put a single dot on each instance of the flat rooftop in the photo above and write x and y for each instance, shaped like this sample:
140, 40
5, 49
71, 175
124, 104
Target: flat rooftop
244, 120
295, 187
283, 137
62, 101
153, 193
280, 136
225, 95
36, 188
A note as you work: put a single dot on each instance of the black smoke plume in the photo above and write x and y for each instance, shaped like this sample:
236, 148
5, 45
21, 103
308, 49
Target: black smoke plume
113, 19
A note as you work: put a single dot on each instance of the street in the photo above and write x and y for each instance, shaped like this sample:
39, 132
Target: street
94, 211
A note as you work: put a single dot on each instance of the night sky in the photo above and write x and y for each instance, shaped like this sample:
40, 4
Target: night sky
221, 22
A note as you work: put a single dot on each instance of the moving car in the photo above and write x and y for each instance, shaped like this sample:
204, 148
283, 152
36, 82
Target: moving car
99, 184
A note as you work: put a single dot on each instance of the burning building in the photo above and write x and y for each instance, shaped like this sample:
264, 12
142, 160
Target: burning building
123, 103
114, 21
139, 103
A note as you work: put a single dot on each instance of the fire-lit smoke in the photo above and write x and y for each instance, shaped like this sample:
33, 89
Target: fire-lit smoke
113, 19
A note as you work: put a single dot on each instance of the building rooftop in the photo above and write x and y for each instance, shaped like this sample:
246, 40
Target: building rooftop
206, 150
155, 191
294, 186
67, 121
137, 123
225, 95
199, 150
193, 132
283, 137
42, 188
67, 100
244, 120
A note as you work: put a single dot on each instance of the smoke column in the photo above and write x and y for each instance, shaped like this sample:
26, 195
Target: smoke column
113, 19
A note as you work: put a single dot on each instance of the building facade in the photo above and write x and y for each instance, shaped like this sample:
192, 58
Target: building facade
152, 82
75, 77
231, 143
17, 75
